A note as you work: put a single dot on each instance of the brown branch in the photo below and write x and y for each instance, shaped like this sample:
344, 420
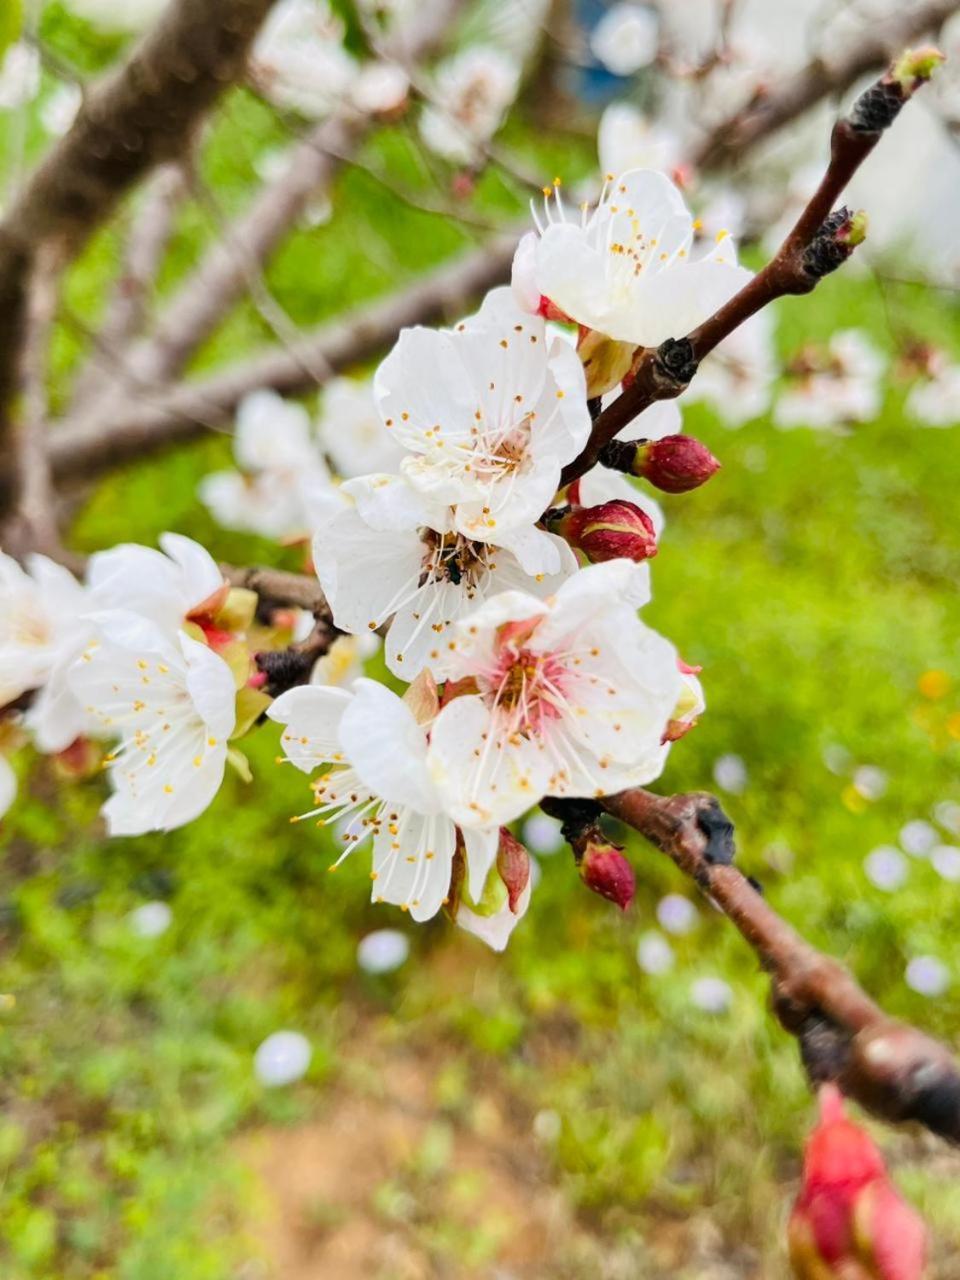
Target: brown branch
887, 1066
730, 140
279, 589
818, 243
137, 118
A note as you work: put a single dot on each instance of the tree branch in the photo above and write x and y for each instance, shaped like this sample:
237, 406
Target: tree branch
137, 118
890, 1068
279, 589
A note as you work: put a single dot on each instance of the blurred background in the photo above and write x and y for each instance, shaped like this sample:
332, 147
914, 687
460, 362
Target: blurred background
610, 1098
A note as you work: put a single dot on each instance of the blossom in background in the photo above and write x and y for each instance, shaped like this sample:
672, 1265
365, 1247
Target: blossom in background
935, 401
380, 87
124, 16
171, 702
283, 488
8, 786
627, 139
299, 60
625, 268
343, 663
351, 430
566, 697
832, 386
180, 584
397, 559
738, 377
626, 38
19, 75
489, 413
60, 108
471, 94
376, 744
41, 633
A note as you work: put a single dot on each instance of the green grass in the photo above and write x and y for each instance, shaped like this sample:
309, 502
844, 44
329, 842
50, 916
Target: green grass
815, 578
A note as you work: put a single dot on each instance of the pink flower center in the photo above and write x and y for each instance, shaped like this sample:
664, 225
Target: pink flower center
527, 688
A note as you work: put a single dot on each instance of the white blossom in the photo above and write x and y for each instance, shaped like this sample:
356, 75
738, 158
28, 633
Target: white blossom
918, 837
383, 951
495, 929
351, 430
654, 954
471, 94
299, 60
151, 919
626, 268
377, 748
60, 108
945, 859
380, 87
573, 696
283, 1058
171, 702
19, 76
711, 995
627, 139
626, 38
935, 401
181, 583
124, 16
886, 867
841, 385
283, 488
8, 785
344, 660
677, 914
41, 634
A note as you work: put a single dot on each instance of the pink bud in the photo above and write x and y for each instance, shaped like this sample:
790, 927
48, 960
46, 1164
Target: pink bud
676, 464
611, 531
513, 865
849, 1219
605, 870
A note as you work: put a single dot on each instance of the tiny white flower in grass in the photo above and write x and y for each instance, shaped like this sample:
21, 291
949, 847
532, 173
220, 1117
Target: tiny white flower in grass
299, 60
383, 951
351, 430
839, 384
396, 560
677, 914
488, 413
572, 697
542, 835
627, 268
626, 38
283, 480
947, 814
927, 975
376, 746
886, 867
711, 995
627, 139
471, 94
730, 773
918, 837
935, 402
182, 583
151, 919
125, 17
172, 703
41, 633
945, 859
60, 109
283, 1058
654, 954
8, 786
870, 781
19, 76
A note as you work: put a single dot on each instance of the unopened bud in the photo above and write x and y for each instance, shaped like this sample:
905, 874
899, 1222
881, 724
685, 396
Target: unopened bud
513, 866
849, 1219
80, 760
878, 107
605, 870
914, 67
616, 530
833, 244
675, 464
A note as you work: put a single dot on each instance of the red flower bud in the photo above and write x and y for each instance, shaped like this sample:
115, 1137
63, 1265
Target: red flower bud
513, 866
611, 531
849, 1220
675, 464
605, 870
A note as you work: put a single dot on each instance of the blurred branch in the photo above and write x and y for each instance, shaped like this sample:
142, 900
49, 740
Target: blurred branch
890, 1068
140, 424
280, 589
819, 242
138, 117
730, 140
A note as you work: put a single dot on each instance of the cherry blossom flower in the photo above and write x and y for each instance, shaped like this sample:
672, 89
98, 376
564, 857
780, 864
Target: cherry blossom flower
60, 109
19, 76
839, 385
572, 697
299, 59
172, 702
123, 16
41, 634
626, 38
182, 583
396, 558
472, 91
283, 488
8, 786
935, 401
625, 268
495, 929
627, 139
376, 744
489, 414
351, 431
343, 663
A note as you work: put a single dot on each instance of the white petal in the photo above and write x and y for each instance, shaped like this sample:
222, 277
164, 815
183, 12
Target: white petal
495, 930
412, 859
481, 847
312, 716
387, 747
201, 576
365, 574
211, 686
8, 786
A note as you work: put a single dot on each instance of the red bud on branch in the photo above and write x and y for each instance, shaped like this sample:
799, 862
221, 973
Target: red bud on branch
605, 870
616, 530
675, 464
